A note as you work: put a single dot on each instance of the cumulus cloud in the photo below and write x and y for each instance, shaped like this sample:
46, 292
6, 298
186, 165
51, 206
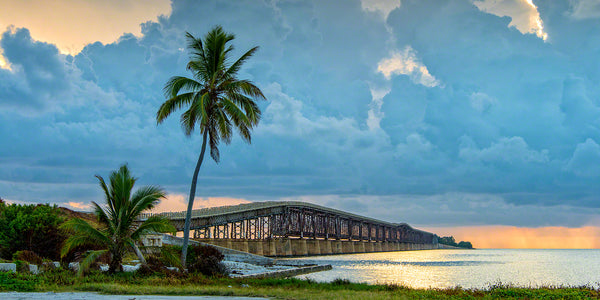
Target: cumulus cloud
585, 9
585, 159
523, 13
481, 102
513, 150
375, 113
406, 62
346, 117
455, 209
382, 7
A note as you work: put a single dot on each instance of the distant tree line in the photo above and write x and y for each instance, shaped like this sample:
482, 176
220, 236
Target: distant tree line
450, 241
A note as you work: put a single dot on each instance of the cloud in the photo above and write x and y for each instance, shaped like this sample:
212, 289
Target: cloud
375, 113
455, 209
585, 159
506, 150
78, 205
352, 116
38, 74
524, 14
405, 62
179, 202
481, 102
382, 7
584, 9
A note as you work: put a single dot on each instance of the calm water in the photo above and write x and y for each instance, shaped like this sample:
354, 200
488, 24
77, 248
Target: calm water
465, 268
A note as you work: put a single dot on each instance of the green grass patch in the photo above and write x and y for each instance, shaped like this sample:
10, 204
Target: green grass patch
160, 284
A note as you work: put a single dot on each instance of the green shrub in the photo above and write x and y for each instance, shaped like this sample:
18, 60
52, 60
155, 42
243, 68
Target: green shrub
30, 227
22, 266
16, 282
28, 256
206, 260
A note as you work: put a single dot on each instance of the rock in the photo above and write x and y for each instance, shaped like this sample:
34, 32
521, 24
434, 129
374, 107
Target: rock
33, 269
8, 267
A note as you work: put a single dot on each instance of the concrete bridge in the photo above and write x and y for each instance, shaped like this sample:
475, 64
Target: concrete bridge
297, 229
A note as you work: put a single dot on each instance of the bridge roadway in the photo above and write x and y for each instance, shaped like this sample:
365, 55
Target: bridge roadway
292, 228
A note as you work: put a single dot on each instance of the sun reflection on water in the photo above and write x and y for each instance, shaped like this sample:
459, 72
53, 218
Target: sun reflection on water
465, 268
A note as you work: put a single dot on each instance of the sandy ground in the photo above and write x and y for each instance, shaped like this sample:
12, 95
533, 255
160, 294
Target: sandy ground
94, 296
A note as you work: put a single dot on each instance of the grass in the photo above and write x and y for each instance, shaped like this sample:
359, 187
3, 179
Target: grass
158, 284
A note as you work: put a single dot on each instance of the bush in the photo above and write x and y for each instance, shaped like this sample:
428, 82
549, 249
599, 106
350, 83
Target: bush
16, 282
30, 227
28, 256
206, 260
22, 266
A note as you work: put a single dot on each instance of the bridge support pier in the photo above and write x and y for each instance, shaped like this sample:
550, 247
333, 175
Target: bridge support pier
299, 247
327, 249
313, 247
336, 247
256, 247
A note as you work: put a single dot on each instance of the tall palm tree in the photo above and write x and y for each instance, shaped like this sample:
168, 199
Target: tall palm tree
214, 99
118, 229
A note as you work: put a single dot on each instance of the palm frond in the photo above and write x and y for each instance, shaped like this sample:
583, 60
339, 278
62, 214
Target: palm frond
90, 258
153, 224
176, 84
173, 104
196, 46
224, 125
237, 115
101, 215
237, 65
145, 198
82, 233
248, 88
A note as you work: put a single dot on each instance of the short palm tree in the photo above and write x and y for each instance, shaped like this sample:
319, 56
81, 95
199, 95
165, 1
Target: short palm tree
118, 230
214, 99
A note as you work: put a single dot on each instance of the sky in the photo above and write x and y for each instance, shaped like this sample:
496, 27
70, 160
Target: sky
473, 118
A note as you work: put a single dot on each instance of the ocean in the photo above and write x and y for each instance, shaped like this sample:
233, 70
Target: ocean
465, 268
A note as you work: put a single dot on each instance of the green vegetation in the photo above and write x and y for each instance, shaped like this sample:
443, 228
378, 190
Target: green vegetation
30, 227
194, 284
118, 230
215, 99
449, 240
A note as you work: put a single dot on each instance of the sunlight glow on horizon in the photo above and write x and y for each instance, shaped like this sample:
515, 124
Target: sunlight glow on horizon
551, 237
74, 24
178, 202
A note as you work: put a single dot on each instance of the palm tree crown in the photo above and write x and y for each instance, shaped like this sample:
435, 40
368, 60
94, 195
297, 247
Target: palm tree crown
214, 100
119, 227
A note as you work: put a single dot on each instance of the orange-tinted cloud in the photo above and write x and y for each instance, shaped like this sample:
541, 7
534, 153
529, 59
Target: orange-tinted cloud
71, 24
553, 237
78, 205
178, 202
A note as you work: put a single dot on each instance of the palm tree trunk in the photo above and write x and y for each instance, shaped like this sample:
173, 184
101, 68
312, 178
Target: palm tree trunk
139, 254
188, 216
